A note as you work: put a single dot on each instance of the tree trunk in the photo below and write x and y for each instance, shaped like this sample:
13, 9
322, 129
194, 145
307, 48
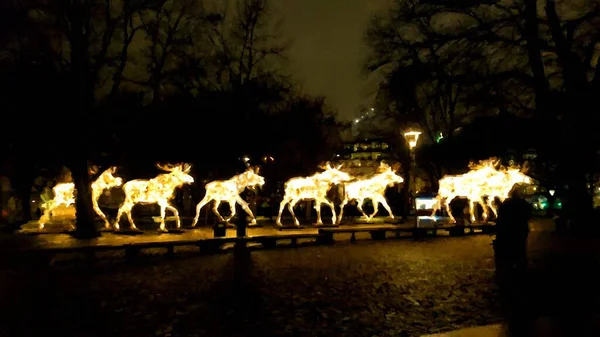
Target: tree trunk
83, 95
24, 193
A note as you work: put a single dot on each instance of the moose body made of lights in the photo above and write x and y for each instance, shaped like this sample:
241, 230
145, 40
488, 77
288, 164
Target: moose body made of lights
104, 182
314, 188
158, 190
372, 188
64, 194
229, 191
484, 180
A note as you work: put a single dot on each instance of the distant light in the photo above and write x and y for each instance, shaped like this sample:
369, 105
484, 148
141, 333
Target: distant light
552, 192
372, 109
356, 121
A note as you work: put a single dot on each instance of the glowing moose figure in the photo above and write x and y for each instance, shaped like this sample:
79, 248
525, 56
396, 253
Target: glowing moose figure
372, 188
483, 180
229, 191
314, 188
158, 190
64, 194
105, 181
500, 185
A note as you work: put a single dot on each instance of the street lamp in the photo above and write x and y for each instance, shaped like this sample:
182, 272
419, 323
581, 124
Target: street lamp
412, 137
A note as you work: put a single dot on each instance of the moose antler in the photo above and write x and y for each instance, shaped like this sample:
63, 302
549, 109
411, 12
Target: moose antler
185, 167
396, 167
93, 169
166, 167
326, 166
384, 166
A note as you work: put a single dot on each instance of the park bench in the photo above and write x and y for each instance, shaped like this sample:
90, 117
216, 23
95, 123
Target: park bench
376, 232
132, 250
270, 241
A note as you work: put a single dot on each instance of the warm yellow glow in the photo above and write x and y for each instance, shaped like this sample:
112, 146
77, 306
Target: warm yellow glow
64, 194
158, 190
229, 191
412, 137
314, 188
372, 188
104, 182
425, 203
484, 180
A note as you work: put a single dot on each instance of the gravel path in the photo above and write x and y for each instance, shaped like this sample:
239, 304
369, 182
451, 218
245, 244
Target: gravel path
392, 288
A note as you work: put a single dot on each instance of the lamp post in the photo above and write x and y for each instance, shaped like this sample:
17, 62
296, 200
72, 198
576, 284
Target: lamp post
412, 137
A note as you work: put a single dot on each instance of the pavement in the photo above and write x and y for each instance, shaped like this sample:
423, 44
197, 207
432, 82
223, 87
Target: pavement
420, 287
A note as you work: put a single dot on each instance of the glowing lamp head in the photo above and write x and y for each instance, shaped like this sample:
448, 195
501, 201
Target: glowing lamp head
412, 137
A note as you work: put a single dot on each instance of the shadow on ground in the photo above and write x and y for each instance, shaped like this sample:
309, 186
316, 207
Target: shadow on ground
399, 288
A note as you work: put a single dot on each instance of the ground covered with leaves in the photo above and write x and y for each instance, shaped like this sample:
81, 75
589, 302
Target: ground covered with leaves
392, 288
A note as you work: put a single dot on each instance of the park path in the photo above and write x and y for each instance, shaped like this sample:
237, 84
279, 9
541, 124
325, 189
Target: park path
391, 288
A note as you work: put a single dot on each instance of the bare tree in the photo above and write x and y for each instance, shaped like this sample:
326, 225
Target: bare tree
426, 68
245, 42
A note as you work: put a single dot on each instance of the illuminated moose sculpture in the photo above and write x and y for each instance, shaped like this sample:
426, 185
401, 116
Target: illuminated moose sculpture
158, 190
314, 188
64, 194
484, 180
229, 192
372, 188
104, 182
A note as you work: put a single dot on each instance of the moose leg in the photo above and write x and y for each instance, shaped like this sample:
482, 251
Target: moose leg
130, 218
163, 209
45, 217
281, 207
472, 211
375, 202
125, 208
342, 205
231, 210
446, 207
175, 214
97, 209
333, 215
437, 206
216, 205
318, 209
246, 209
490, 204
385, 205
201, 204
485, 214
359, 203
291, 206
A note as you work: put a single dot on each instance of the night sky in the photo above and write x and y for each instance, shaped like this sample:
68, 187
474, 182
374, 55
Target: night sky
327, 48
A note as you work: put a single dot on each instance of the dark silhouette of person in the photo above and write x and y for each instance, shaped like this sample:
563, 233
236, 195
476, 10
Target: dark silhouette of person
512, 230
510, 248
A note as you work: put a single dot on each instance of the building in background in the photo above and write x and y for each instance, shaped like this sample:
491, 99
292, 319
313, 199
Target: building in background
362, 157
